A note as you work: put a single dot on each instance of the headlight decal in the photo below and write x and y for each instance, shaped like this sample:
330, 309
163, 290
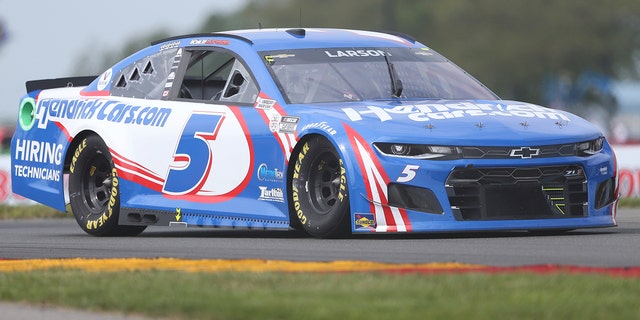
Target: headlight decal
441, 152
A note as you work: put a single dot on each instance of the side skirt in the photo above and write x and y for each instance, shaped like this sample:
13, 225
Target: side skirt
148, 217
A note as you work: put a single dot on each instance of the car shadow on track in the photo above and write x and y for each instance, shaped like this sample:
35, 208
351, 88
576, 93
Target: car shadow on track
297, 234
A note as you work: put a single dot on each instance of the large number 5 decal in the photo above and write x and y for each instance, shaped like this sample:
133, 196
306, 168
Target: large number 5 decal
193, 157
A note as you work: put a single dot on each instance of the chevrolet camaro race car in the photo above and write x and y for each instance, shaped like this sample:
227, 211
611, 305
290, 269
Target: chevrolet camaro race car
330, 131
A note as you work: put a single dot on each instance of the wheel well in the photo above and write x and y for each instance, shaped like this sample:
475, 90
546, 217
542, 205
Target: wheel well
297, 148
324, 207
293, 220
72, 147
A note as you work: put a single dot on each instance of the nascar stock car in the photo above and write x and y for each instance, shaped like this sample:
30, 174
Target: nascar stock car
331, 131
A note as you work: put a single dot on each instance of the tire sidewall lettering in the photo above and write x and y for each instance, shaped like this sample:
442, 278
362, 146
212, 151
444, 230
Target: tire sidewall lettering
76, 154
342, 195
297, 206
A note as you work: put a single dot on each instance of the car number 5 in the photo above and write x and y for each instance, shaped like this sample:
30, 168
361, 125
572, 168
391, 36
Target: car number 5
408, 173
193, 156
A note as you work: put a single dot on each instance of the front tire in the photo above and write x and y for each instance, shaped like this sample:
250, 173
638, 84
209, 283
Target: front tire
94, 190
319, 192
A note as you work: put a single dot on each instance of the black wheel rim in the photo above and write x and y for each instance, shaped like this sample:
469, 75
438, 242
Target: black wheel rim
324, 182
96, 184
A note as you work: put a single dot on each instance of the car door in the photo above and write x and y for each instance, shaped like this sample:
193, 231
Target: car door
226, 156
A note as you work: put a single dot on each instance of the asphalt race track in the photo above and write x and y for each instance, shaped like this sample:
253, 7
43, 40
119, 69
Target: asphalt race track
62, 238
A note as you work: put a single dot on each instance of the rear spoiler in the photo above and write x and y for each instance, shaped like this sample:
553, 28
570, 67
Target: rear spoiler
59, 83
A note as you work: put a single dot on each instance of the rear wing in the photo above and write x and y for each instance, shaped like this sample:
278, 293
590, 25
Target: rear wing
59, 83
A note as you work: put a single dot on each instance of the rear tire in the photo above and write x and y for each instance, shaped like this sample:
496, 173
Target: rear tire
94, 190
319, 193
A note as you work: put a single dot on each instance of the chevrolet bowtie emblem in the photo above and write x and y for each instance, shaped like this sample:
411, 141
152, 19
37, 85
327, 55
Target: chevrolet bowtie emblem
525, 152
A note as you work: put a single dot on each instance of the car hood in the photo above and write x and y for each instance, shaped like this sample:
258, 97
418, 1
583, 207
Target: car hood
467, 122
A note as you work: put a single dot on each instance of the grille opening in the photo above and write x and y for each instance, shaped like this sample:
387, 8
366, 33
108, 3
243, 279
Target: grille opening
506, 193
605, 193
413, 198
516, 202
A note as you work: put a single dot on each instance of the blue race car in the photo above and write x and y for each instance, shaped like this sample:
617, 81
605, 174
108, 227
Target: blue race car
331, 131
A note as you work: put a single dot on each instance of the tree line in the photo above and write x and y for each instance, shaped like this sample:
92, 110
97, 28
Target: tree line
511, 46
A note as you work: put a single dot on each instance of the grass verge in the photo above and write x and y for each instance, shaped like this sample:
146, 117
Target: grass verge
246, 295
630, 202
30, 212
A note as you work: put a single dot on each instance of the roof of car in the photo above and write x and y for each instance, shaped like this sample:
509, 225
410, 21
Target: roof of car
293, 38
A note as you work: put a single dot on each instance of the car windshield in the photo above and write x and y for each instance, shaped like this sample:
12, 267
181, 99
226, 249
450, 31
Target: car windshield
357, 74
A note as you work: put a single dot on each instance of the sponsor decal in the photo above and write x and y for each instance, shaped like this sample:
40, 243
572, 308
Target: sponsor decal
434, 111
209, 41
38, 151
39, 173
324, 126
272, 117
47, 153
271, 194
356, 53
105, 79
104, 110
424, 52
283, 124
264, 104
288, 124
604, 171
170, 45
365, 221
266, 174
271, 59
174, 68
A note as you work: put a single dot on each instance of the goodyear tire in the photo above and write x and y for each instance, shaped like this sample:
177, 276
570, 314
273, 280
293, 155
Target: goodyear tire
94, 192
318, 190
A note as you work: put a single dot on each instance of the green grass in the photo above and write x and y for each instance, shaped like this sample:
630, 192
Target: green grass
30, 212
264, 296
630, 202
